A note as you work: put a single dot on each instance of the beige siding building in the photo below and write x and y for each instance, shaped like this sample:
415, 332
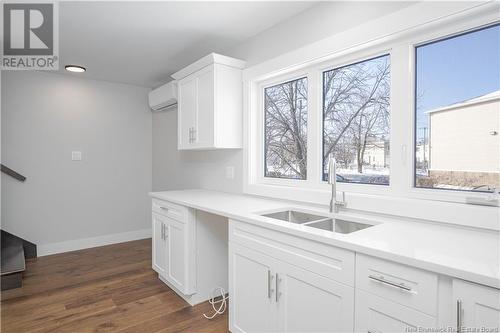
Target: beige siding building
464, 139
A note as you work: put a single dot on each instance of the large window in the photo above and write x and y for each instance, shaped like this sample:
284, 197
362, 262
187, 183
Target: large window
457, 101
356, 110
285, 134
414, 115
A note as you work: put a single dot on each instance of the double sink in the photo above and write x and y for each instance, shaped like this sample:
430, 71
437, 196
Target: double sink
317, 221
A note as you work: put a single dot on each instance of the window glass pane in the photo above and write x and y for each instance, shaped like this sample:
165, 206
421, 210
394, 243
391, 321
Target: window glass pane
457, 102
285, 107
356, 112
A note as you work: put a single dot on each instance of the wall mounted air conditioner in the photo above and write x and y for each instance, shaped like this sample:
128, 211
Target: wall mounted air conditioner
163, 97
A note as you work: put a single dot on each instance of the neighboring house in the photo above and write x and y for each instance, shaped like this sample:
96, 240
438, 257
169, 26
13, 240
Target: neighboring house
377, 154
464, 140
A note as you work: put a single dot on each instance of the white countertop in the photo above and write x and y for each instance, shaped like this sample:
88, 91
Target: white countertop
465, 253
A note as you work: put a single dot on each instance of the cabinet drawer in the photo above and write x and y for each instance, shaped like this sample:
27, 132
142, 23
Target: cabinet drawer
375, 314
171, 210
399, 283
328, 261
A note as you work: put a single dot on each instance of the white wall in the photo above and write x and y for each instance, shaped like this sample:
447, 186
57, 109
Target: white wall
320, 21
206, 169
46, 116
174, 169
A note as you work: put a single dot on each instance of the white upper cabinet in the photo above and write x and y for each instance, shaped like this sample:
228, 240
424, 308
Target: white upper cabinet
210, 103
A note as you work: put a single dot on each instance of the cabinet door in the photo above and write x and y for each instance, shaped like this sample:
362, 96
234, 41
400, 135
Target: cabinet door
375, 314
308, 302
204, 133
176, 253
252, 307
479, 306
159, 245
187, 108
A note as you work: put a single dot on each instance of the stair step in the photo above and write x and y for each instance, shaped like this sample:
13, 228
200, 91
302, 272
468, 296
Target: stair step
11, 281
12, 255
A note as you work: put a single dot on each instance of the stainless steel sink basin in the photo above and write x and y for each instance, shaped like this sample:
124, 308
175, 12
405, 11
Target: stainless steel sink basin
340, 226
317, 221
294, 216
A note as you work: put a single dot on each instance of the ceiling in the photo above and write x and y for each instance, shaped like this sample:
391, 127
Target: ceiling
142, 43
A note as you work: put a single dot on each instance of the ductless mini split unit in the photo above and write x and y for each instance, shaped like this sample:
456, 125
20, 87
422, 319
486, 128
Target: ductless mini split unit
163, 97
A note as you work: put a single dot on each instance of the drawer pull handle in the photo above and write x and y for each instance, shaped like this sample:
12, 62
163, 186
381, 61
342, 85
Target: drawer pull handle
164, 208
269, 281
459, 315
278, 280
381, 279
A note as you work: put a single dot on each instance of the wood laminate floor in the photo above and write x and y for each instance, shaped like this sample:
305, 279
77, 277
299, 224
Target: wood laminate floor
104, 289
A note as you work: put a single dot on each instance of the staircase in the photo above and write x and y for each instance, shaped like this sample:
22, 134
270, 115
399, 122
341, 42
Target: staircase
14, 250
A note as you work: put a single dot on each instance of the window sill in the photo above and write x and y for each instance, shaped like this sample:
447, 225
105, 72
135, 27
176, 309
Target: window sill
415, 208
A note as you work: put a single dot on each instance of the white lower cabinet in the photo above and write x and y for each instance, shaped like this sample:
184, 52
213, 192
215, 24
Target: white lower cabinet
375, 314
176, 253
477, 306
283, 283
159, 244
308, 302
251, 287
173, 257
269, 295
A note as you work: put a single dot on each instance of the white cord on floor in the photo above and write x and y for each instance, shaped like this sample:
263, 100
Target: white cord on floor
222, 301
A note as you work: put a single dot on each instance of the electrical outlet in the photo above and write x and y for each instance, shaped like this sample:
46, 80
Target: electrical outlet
76, 155
230, 172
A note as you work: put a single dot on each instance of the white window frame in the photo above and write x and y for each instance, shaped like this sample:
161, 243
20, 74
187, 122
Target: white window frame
400, 197
261, 130
347, 60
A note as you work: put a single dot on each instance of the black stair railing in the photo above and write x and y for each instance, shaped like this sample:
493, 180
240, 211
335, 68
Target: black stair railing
12, 173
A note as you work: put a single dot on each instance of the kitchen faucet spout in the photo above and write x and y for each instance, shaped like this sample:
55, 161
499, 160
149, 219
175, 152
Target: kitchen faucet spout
332, 180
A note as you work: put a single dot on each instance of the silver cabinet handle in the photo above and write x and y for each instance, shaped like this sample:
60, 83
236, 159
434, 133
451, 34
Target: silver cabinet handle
164, 208
459, 315
269, 278
383, 280
277, 285
192, 134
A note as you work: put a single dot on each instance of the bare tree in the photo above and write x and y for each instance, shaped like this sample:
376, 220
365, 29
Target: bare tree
356, 116
286, 130
356, 108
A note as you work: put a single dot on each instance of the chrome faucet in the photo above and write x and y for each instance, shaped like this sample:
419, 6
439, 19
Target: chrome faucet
332, 180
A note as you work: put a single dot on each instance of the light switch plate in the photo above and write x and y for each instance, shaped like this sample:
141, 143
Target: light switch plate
76, 155
230, 172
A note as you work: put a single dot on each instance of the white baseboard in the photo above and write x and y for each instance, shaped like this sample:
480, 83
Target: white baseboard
85, 243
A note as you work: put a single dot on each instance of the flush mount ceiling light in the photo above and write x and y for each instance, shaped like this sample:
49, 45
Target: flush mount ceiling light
75, 68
